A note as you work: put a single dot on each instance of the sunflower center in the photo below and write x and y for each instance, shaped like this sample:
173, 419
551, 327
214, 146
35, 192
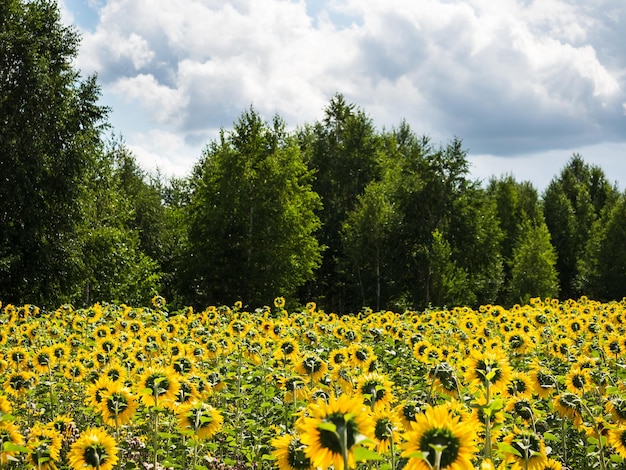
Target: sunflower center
339, 358
296, 458
116, 403
361, 355
523, 410
382, 429
288, 348
183, 365
312, 365
43, 359
159, 384
330, 440
375, 390
578, 381
409, 411
516, 385
545, 380
95, 455
484, 368
442, 438
614, 347
516, 341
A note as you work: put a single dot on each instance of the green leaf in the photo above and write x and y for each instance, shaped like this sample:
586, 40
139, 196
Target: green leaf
508, 449
327, 426
548, 436
362, 454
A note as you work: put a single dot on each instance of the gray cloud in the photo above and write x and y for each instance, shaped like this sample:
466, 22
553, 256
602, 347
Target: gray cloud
509, 78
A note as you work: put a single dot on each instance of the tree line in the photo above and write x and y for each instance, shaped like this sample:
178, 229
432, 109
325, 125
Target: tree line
337, 211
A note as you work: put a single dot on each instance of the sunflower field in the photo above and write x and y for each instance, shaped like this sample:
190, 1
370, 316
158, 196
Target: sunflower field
540, 386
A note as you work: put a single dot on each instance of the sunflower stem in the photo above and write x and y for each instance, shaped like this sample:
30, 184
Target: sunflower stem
343, 440
392, 449
117, 438
563, 441
598, 434
488, 421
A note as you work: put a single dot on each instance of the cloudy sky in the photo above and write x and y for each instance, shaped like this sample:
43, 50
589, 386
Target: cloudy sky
523, 83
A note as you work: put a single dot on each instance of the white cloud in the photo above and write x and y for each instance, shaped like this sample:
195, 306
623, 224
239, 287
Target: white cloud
162, 103
508, 77
163, 151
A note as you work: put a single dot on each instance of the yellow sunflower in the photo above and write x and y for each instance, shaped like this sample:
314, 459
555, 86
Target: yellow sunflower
294, 386
18, 383
617, 440
437, 431
42, 360
407, 412
522, 408
287, 349
9, 433
552, 464
569, 405
95, 392
531, 451
5, 406
616, 407
519, 385
327, 429
311, 366
65, 425
187, 392
289, 453
543, 382
375, 390
489, 368
199, 419
44, 444
95, 449
184, 364
158, 386
17, 356
386, 429
361, 355
577, 380
118, 405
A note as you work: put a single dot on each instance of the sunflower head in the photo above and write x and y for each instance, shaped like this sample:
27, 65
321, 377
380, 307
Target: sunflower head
94, 449
530, 451
438, 435
200, 420
490, 368
289, 453
329, 428
375, 390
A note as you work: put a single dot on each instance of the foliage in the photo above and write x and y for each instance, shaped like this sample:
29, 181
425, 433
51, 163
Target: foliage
50, 125
252, 216
533, 272
573, 201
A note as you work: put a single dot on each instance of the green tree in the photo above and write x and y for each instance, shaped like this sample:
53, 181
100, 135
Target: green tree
344, 151
516, 203
252, 217
572, 202
114, 264
365, 236
50, 125
602, 268
533, 272
446, 283
432, 195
